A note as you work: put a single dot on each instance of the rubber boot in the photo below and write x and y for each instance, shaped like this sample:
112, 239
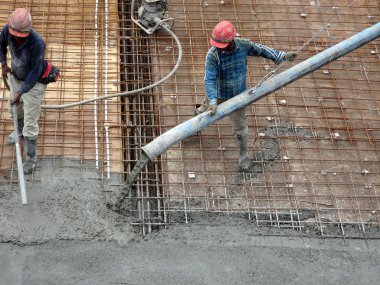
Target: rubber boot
31, 156
12, 137
244, 161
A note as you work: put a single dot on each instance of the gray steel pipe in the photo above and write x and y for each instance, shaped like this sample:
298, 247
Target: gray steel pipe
10, 83
189, 127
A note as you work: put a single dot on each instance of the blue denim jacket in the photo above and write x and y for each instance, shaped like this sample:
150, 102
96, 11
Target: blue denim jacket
28, 61
225, 73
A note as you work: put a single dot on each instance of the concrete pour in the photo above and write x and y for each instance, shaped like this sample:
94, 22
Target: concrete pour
64, 203
67, 235
219, 251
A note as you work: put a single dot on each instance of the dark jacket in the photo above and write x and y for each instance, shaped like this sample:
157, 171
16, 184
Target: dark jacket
28, 60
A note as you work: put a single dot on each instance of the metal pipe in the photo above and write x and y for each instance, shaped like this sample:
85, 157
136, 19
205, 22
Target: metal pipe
186, 129
106, 124
96, 47
20, 169
9, 83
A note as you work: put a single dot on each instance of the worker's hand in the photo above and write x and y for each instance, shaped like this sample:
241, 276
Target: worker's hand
212, 109
291, 55
5, 69
16, 98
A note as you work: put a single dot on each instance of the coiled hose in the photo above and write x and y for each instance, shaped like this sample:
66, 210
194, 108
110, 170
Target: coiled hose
128, 93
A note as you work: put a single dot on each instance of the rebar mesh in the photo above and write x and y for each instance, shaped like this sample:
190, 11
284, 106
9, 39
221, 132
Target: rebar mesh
314, 143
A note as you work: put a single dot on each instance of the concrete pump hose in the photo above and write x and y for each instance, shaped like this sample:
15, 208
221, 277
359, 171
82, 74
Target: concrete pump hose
128, 93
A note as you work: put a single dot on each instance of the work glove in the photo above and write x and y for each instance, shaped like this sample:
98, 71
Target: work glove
5, 69
290, 56
212, 109
16, 98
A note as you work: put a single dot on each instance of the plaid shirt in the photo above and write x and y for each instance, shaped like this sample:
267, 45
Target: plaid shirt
225, 74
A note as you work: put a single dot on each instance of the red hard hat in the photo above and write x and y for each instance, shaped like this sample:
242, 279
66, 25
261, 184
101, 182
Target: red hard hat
20, 23
223, 33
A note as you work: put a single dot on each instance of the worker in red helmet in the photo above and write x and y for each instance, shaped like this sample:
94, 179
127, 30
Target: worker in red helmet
225, 77
27, 49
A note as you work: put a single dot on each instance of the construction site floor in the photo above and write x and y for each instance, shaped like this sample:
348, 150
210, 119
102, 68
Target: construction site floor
215, 253
307, 212
67, 235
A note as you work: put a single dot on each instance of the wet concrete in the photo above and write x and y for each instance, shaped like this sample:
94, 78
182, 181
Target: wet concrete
215, 252
268, 149
65, 202
67, 235
269, 145
122, 203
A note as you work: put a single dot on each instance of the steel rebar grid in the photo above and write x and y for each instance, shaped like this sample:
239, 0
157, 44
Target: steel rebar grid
328, 128
78, 42
141, 118
324, 143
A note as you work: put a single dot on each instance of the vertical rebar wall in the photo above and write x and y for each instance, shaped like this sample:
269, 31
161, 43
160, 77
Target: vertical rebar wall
140, 118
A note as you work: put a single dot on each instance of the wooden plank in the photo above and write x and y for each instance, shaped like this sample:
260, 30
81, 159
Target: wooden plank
86, 50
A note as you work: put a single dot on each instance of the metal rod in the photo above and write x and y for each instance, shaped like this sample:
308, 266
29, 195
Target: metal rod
20, 169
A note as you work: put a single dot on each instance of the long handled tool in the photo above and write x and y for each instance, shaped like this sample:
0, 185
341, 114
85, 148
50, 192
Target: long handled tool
21, 179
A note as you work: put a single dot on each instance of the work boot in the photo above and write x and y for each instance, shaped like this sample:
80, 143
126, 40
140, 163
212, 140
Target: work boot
244, 161
31, 156
12, 137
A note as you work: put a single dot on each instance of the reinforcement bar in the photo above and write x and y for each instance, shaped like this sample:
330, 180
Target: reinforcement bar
189, 127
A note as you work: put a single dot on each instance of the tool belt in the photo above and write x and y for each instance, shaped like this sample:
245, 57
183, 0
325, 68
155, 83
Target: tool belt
51, 74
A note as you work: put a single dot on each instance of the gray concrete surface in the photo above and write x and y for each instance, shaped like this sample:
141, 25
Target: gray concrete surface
195, 254
67, 235
66, 201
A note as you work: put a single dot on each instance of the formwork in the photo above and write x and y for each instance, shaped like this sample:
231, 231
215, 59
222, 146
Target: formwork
314, 144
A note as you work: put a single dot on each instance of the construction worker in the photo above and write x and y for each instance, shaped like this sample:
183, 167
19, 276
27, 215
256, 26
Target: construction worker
225, 77
27, 50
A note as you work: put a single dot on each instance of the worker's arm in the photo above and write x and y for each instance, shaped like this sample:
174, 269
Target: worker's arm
255, 49
3, 45
211, 77
3, 51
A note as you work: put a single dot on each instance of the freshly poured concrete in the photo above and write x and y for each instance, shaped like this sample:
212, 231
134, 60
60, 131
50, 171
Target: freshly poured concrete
222, 251
67, 235
63, 204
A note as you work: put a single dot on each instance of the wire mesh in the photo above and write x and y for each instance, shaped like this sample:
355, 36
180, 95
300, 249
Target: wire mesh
314, 144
